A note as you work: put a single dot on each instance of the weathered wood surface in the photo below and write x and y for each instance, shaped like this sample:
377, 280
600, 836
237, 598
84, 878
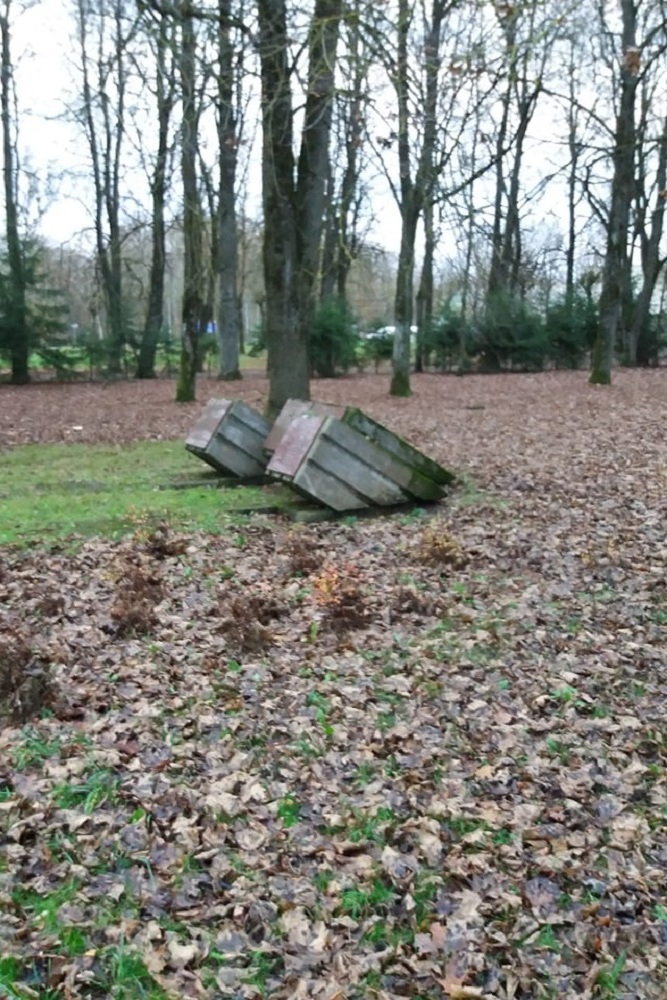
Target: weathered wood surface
396, 446
292, 409
337, 465
230, 437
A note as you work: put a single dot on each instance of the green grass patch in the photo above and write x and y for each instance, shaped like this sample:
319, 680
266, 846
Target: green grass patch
51, 492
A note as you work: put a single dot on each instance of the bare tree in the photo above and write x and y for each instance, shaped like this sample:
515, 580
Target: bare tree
642, 47
104, 32
524, 60
414, 191
164, 95
344, 191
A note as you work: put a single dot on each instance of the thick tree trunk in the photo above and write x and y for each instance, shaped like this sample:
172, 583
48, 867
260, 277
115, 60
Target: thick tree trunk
418, 192
400, 381
17, 317
615, 294
293, 213
400, 376
639, 338
287, 360
192, 306
313, 167
228, 312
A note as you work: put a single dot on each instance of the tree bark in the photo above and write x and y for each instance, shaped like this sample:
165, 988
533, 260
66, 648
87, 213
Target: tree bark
17, 315
652, 264
164, 99
293, 211
426, 283
287, 355
616, 288
414, 193
228, 311
192, 304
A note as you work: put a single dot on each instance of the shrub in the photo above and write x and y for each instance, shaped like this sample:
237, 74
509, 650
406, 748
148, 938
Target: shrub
571, 326
333, 341
445, 341
511, 337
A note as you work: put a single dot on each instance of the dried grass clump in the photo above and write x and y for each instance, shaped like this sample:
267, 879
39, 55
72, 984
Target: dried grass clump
411, 602
138, 592
304, 555
26, 682
161, 543
340, 594
246, 618
440, 548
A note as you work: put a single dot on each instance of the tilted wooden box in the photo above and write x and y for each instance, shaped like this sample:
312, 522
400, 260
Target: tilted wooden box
349, 467
230, 437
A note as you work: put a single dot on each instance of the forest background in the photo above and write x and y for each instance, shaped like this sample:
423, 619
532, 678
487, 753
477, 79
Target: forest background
476, 185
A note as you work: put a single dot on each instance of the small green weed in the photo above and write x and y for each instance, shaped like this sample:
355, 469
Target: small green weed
42, 908
125, 975
546, 939
608, 979
371, 828
262, 966
558, 748
98, 788
365, 901
289, 810
34, 750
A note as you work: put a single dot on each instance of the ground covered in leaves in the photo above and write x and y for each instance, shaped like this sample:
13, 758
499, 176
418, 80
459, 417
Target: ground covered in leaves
418, 756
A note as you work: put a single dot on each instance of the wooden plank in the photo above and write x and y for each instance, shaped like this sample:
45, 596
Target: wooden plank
292, 409
384, 438
319, 484
364, 458
352, 460
294, 446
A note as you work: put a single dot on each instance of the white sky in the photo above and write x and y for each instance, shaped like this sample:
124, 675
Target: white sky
48, 143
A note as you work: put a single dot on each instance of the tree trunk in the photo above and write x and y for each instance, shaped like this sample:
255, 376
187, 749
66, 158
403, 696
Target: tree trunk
17, 317
293, 213
642, 350
228, 313
400, 377
615, 289
425, 293
400, 381
313, 167
287, 360
414, 194
155, 308
192, 306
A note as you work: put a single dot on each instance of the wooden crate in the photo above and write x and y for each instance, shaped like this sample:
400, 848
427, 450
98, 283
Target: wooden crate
335, 464
230, 437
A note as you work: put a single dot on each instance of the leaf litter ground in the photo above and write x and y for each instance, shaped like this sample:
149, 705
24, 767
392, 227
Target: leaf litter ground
408, 757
